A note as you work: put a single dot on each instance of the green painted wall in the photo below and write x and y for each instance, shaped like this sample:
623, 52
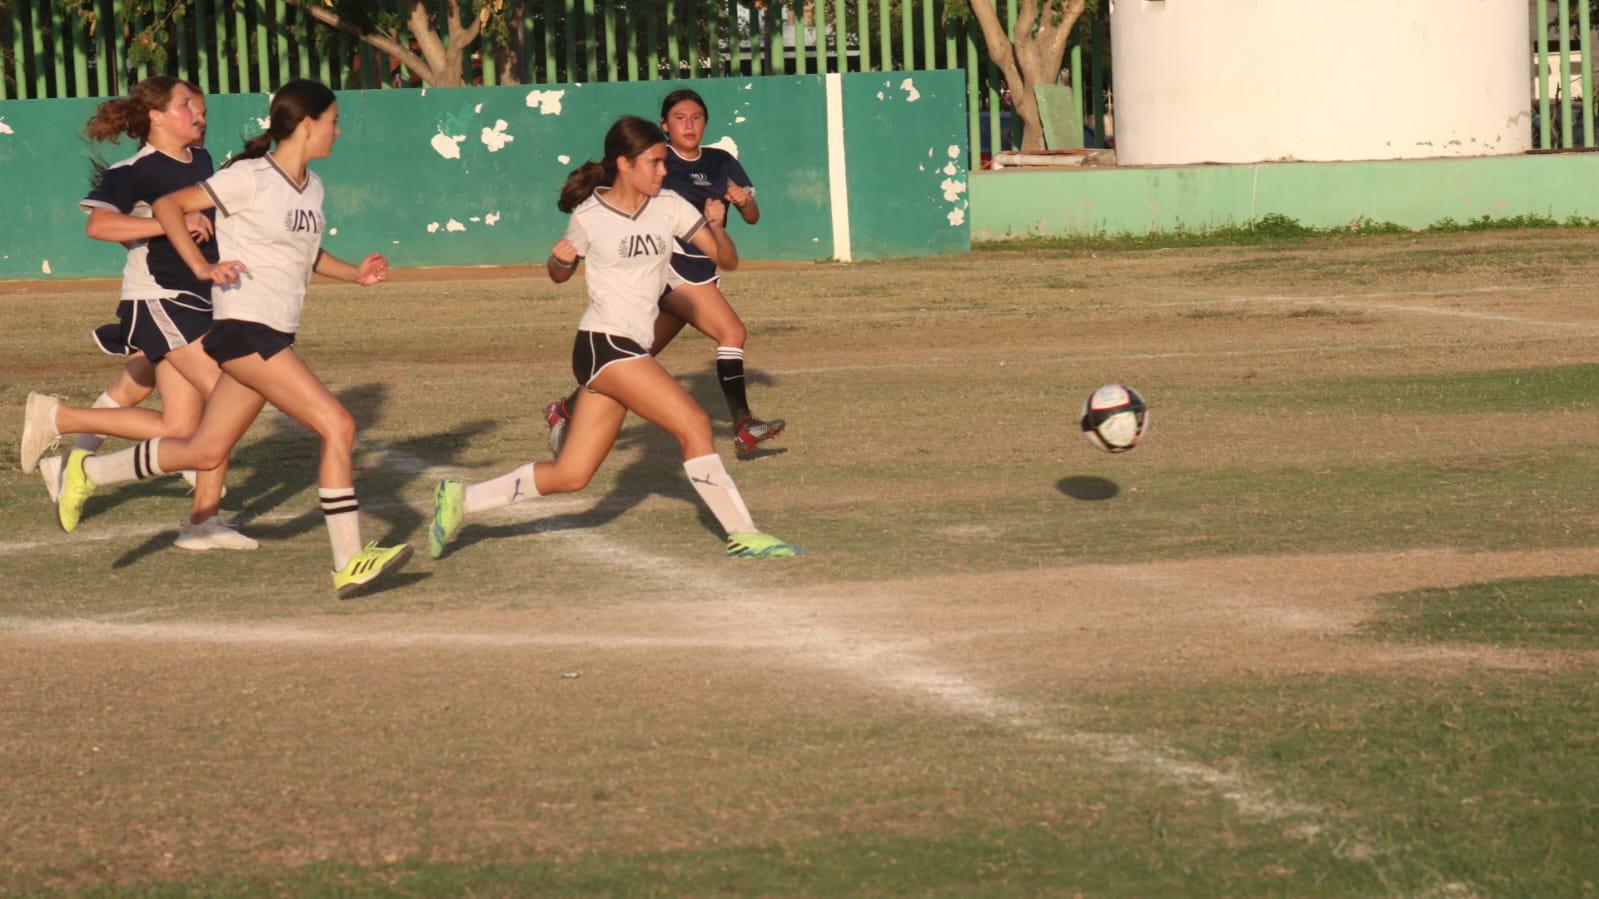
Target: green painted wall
906, 169
1413, 193
489, 197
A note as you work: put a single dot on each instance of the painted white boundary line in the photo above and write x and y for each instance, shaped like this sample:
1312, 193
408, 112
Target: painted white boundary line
837, 182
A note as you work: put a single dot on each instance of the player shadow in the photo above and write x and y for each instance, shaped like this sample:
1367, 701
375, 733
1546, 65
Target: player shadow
282, 465
657, 471
1087, 488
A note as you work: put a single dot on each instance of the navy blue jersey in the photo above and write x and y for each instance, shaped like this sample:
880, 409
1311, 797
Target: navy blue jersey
154, 269
705, 178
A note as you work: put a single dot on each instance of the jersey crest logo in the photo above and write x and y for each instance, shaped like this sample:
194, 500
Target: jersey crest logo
634, 245
303, 220
700, 179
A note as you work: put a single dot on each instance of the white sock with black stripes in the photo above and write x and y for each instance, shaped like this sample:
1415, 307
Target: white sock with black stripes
136, 463
343, 516
714, 485
499, 492
91, 442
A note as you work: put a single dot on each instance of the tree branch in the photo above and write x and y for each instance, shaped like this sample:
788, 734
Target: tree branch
380, 41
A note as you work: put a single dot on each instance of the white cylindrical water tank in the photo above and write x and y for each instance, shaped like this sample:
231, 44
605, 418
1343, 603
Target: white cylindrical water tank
1268, 80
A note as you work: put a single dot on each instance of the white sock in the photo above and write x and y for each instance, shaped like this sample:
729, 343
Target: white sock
716, 487
501, 491
343, 517
91, 442
135, 463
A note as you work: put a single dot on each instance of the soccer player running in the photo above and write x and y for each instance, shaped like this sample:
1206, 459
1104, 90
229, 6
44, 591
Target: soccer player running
693, 292
165, 309
624, 223
269, 231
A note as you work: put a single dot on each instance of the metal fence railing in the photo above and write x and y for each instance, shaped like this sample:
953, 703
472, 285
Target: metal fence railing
240, 46
1562, 74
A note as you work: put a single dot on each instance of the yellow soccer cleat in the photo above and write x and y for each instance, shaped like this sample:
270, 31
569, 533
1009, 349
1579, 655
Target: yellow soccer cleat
756, 545
366, 566
76, 488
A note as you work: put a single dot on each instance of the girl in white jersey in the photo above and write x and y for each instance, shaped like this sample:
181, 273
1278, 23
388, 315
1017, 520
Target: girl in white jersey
269, 231
625, 225
165, 310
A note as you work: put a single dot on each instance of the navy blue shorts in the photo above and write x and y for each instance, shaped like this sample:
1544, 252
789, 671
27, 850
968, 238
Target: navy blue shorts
233, 338
592, 351
690, 270
154, 327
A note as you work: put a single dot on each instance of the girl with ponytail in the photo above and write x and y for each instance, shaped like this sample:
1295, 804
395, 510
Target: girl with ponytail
269, 229
164, 311
625, 225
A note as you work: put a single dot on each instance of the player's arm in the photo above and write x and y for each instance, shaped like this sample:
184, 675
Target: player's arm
743, 198
119, 227
713, 239
171, 211
562, 264
374, 269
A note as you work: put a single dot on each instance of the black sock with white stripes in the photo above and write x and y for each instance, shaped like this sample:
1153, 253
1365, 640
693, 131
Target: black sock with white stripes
730, 374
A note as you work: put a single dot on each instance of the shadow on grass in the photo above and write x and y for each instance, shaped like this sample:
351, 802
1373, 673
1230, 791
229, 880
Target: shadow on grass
658, 471
284, 464
1087, 488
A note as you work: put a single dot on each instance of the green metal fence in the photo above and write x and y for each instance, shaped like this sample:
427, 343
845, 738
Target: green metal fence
1562, 73
241, 46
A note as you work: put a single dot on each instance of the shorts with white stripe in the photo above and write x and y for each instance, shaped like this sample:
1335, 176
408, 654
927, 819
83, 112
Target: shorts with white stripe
158, 326
593, 351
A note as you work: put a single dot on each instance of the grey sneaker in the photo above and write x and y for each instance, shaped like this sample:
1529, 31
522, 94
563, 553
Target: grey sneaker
213, 533
50, 468
38, 428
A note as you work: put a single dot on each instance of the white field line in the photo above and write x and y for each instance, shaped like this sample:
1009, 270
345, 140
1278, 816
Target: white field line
787, 629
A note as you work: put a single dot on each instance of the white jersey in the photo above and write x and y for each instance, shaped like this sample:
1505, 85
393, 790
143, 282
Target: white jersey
627, 259
274, 226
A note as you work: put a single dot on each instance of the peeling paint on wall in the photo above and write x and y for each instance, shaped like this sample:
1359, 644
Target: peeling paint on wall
728, 144
453, 225
495, 138
909, 87
4, 128
957, 217
491, 219
952, 189
433, 227
448, 146
546, 102
563, 159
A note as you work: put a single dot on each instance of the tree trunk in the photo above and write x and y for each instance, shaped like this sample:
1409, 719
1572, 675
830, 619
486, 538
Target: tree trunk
1032, 57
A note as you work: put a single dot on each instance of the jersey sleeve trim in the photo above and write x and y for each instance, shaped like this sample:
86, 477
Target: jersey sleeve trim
205, 186
694, 230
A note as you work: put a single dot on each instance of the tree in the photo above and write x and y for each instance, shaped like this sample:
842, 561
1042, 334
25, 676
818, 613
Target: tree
1032, 57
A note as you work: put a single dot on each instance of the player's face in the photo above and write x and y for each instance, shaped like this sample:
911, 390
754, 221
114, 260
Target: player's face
197, 108
645, 172
178, 120
323, 131
685, 124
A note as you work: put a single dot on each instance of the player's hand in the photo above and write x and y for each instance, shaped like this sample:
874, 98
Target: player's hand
223, 274
374, 269
199, 225
737, 195
564, 252
716, 212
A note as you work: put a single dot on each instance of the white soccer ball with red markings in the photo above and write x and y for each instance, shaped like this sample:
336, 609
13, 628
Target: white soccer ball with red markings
1115, 418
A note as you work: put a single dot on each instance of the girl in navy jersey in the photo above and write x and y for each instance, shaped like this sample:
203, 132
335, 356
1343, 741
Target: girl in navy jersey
693, 293
624, 224
269, 233
165, 310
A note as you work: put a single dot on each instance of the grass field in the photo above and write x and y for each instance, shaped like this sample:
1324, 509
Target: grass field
1333, 630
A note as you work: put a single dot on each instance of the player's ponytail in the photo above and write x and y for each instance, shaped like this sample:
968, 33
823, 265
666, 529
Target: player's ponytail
293, 103
130, 115
629, 137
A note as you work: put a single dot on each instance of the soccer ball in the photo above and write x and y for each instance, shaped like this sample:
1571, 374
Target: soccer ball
1115, 418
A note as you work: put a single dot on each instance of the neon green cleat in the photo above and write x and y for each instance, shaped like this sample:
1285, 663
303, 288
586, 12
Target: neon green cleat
368, 565
756, 545
448, 513
76, 488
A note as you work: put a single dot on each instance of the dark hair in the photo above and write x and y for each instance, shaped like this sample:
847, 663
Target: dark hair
293, 103
629, 137
130, 115
678, 96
